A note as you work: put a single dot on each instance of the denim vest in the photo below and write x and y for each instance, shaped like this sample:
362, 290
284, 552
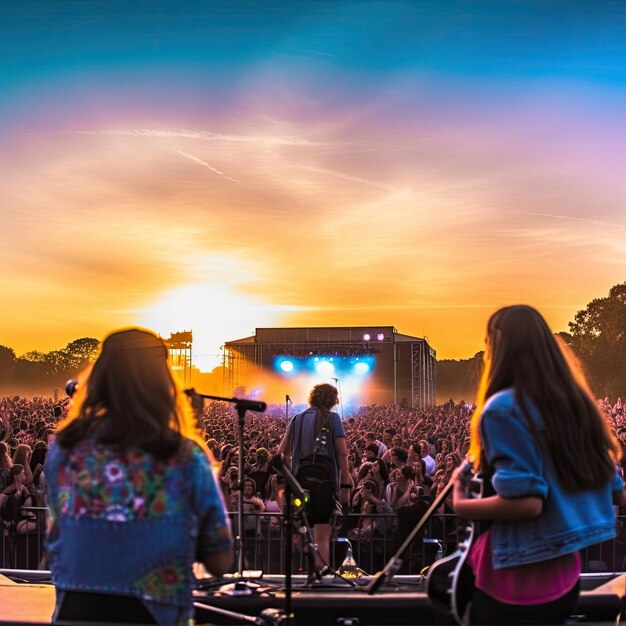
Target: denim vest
149, 557
568, 521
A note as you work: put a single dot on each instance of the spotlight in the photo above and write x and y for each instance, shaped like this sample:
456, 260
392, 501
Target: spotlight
380, 336
366, 337
286, 366
361, 368
325, 368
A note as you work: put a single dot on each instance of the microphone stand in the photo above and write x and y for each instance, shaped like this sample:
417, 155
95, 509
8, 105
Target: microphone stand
287, 403
293, 487
340, 395
288, 530
241, 405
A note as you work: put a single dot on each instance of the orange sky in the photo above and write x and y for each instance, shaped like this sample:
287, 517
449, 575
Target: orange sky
304, 189
108, 229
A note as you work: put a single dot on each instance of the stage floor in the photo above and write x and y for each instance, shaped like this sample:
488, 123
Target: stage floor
27, 603
602, 599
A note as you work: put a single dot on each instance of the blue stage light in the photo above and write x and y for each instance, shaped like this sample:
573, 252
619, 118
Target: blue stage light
325, 368
286, 366
361, 368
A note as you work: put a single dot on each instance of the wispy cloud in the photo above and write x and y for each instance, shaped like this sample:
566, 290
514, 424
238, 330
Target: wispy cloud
569, 218
200, 161
348, 177
261, 139
305, 52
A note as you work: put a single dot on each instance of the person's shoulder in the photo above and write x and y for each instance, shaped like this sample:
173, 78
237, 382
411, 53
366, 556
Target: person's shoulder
191, 452
503, 400
55, 453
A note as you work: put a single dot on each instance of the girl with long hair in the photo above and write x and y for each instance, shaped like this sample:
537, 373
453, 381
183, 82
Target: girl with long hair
5, 465
13, 498
535, 416
22, 455
132, 493
37, 461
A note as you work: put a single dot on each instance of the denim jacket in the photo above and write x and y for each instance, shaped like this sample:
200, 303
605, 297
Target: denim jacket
522, 467
127, 524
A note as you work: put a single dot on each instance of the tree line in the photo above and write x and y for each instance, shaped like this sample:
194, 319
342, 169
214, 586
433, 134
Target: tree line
39, 371
597, 336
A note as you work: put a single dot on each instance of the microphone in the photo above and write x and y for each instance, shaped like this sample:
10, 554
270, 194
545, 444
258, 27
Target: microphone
244, 403
278, 463
70, 387
288, 399
335, 379
250, 405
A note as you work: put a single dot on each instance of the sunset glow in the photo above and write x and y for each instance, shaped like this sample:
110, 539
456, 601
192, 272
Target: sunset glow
220, 167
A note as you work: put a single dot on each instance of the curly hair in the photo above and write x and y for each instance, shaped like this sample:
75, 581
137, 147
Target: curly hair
323, 397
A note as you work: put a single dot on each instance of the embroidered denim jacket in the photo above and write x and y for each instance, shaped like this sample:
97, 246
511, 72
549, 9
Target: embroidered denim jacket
125, 523
568, 521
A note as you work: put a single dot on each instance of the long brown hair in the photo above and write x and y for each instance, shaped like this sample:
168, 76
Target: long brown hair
523, 354
131, 398
5, 459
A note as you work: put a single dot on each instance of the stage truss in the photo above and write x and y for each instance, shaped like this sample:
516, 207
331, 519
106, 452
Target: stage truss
406, 365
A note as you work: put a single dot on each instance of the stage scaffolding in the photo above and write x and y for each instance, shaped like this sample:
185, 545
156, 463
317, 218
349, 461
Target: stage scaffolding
423, 375
405, 370
179, 345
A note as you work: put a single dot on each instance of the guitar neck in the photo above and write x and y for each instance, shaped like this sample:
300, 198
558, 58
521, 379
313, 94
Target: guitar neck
466, 470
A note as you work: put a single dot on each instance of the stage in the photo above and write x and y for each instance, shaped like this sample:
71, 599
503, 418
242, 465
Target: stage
403, 602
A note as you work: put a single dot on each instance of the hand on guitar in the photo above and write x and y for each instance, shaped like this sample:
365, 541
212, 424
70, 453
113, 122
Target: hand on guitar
461, 477
492, 507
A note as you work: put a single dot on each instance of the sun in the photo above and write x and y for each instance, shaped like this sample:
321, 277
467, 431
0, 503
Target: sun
213, 313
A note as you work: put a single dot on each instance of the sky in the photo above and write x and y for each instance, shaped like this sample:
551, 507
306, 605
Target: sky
223, 166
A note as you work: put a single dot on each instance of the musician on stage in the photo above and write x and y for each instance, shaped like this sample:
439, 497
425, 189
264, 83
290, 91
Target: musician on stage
538, 433
132, 493
315, 448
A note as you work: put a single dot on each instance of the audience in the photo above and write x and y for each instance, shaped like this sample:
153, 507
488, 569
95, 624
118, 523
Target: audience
397, 455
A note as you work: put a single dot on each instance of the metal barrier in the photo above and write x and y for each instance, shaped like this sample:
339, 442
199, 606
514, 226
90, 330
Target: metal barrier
265, 543
374, 539
20, 550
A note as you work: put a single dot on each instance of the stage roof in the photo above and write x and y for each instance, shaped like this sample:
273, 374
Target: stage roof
325, 334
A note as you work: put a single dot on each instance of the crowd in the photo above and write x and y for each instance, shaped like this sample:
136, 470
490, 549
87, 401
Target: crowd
397, 455
400, 459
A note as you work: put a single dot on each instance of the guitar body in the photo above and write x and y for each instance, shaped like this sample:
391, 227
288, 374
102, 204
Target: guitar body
450, 580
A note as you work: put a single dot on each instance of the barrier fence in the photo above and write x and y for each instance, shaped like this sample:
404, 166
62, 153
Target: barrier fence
373, 537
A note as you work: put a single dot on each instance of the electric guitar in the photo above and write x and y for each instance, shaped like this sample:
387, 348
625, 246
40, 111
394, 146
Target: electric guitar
450, 580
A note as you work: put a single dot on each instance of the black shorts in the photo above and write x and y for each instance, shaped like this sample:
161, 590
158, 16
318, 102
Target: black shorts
321, 506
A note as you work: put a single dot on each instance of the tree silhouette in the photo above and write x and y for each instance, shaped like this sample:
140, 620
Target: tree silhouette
7, 364
599, 339
81, 351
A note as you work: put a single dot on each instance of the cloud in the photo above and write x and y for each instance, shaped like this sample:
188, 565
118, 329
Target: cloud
260, 139
200, 161
348, 177
570, 218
